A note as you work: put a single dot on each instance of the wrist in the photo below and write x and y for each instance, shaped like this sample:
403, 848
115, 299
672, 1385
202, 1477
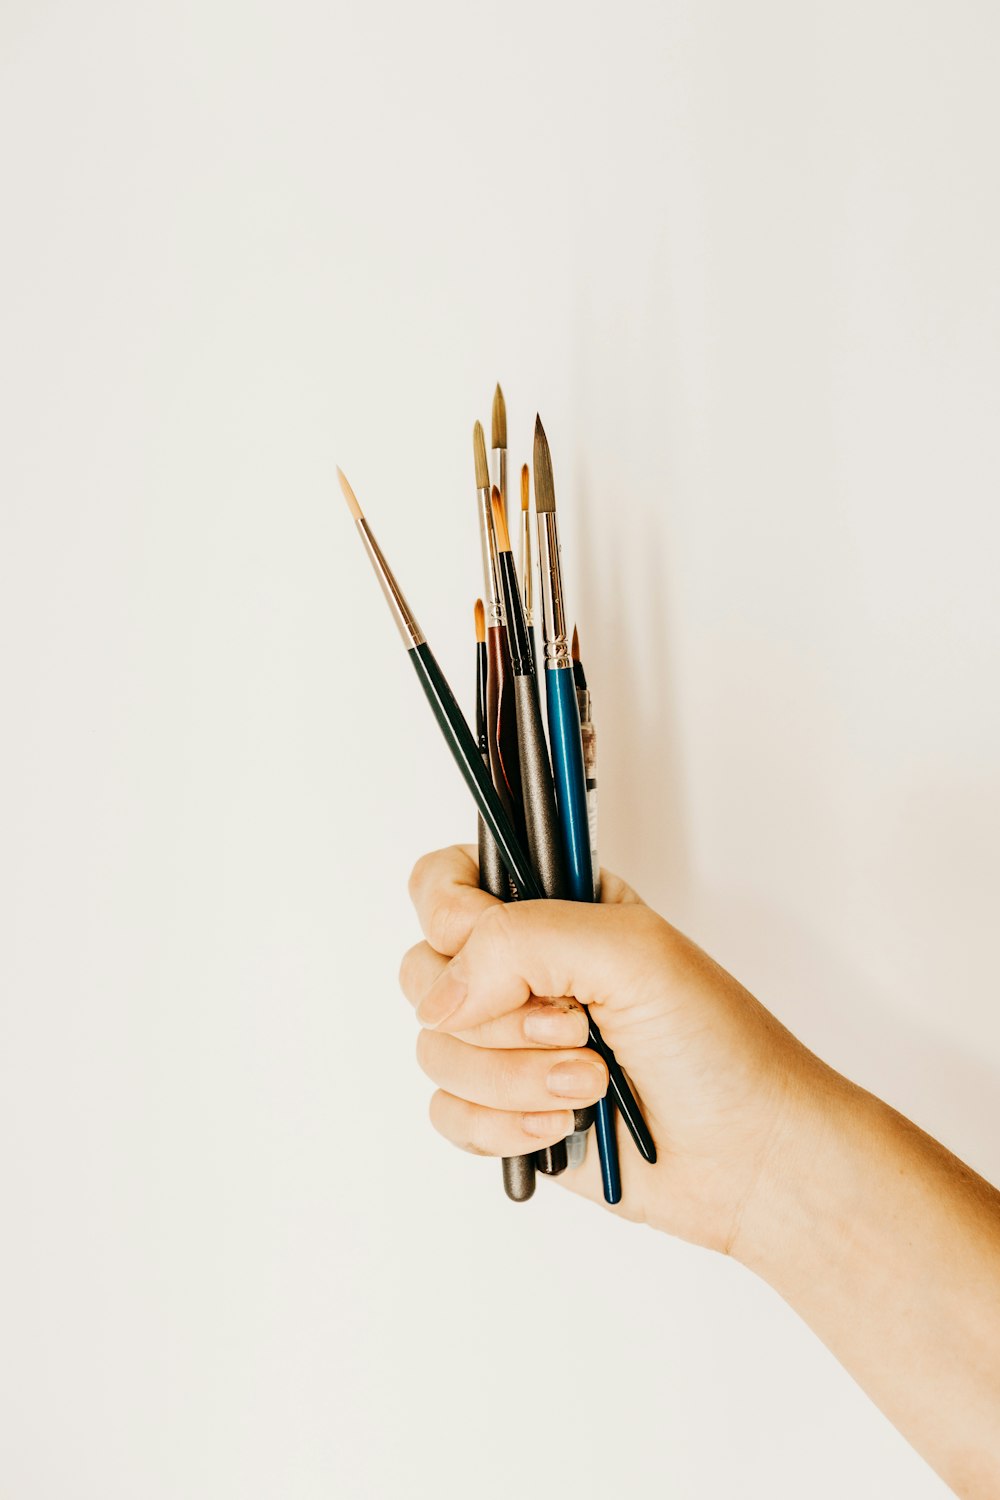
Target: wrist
803, 1207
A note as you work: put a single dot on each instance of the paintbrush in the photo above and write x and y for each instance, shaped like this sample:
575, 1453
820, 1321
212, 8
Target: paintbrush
450, 719
567, 761
498, 446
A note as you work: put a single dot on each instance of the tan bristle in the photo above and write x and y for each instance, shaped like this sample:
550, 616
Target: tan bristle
480, 622
545, 494
479, 450
349, 496
525, 482
576, 644
499, 419
500, 522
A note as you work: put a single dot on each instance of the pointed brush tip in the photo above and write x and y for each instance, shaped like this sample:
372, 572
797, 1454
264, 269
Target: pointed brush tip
480, 615
349, 495
499, 419
479, 453
525, 487
575, 649
545, 497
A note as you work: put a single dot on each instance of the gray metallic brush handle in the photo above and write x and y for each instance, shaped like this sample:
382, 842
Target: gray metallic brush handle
538, 792
544, 844
492, 874
518, 1171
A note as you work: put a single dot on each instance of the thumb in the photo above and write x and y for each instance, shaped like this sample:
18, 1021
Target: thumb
595, 954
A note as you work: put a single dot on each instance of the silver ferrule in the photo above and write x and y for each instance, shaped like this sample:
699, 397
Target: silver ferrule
493, 594
583, 703
555, 648
498, 474
527, 571
400, 610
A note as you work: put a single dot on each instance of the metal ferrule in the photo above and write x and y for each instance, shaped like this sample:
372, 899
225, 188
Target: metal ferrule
527, 571
491, 568
400, 610
583, 699
498, 473
555, 648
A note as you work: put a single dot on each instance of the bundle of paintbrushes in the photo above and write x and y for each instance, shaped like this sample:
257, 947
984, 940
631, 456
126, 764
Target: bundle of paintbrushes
536, 799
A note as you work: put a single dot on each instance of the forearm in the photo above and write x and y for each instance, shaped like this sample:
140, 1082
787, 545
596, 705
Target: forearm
889, 1248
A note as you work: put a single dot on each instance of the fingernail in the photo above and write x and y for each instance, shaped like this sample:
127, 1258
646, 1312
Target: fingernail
552, 1126
560, 1028
576, 1080
443, 998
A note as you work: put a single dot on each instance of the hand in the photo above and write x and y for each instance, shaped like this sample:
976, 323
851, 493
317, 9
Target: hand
499, 991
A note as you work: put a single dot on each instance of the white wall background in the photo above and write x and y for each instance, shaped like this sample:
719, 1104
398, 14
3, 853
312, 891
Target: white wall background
744, 259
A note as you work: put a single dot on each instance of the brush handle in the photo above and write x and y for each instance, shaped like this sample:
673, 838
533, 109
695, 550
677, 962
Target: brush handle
518, 1171
541, 819
607, 1148
570, 781
492, 875
571, 793
501, 725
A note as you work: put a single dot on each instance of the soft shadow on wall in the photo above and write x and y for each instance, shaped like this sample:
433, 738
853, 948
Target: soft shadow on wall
622, 536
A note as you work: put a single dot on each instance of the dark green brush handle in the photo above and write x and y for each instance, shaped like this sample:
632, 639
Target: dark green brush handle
451, 722
518, 1171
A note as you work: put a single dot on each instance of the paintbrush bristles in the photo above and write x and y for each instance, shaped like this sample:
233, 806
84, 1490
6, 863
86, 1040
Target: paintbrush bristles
499, 419
576, 644
545, 494
525, 482
500, 522
479, 450
480, 614
349, 496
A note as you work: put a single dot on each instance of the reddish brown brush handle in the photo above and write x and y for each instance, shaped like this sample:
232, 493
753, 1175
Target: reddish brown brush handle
501, 727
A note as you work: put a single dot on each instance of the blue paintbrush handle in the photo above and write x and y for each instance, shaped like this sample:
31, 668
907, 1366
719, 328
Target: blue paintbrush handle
570, 778
570, 781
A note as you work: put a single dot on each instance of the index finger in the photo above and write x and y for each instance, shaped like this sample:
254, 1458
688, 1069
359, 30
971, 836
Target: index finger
444, 889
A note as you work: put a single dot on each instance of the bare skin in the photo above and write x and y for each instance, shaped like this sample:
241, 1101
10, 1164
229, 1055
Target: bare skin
884, 1243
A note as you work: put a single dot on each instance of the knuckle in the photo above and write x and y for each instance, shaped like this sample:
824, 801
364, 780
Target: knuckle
506, 1079
442, 922
495, 928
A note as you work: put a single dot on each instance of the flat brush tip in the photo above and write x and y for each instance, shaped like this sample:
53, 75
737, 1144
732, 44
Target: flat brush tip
500, 521
499, 419
525, 482
480, 614
349, 495
479, 453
